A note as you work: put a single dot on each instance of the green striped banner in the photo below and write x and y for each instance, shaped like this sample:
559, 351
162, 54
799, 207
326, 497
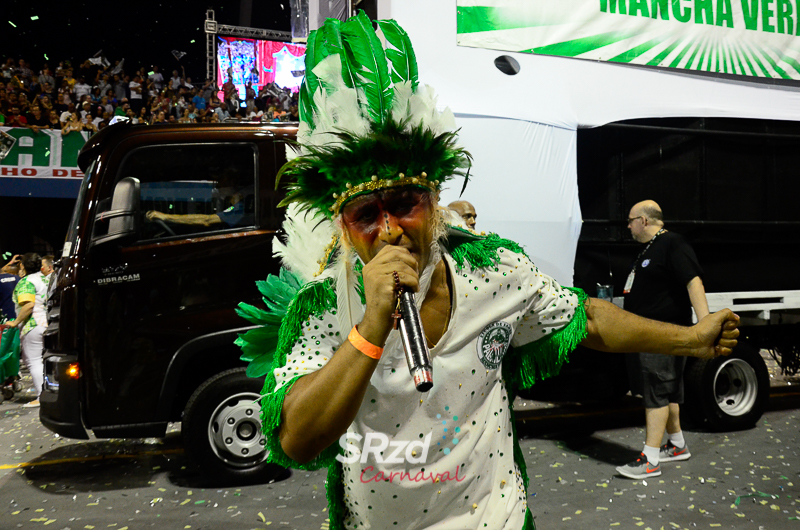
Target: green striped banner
757, 38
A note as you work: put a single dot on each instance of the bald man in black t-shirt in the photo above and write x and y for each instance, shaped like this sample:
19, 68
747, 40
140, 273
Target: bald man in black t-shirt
664, 284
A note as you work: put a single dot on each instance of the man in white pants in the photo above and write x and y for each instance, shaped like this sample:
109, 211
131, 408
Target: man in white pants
29, 297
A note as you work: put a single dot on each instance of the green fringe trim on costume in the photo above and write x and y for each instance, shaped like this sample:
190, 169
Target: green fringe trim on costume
529, 524
258, 345
543, 358
482, 253
334, 492
313, 299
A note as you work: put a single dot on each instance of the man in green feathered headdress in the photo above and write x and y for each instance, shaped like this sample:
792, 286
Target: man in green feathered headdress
364, 221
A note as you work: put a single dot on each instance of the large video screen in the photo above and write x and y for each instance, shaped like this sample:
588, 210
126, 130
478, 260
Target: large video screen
259, 62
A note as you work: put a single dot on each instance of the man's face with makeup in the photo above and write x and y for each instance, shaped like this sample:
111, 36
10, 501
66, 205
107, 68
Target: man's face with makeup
396, 216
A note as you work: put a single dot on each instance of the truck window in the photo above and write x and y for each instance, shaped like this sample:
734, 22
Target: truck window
71, 241
189, 189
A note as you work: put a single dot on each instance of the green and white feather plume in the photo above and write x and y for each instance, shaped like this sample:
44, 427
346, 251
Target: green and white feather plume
361, 99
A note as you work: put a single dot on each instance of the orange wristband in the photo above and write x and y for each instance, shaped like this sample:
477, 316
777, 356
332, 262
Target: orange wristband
363, 345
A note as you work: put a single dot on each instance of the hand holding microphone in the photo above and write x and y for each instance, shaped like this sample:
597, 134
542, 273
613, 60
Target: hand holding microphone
390, 280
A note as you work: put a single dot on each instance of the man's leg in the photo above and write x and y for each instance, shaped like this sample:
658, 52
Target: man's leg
656, 423
676, 449
647, 465
674, 420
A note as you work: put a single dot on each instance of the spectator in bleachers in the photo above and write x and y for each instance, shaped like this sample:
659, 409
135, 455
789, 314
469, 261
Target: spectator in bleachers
8, 69
46, 104
157, 79
104, 85
90, 126
65, 92
136, 100
82, 88
53, 120
73, 124
160, 118
86, 109
12, 101
123, 108
23, 71
15, 119
95, 95
47, 90
45, 77
70, 79
120, 88
175, 81
64, 116
105, 105
36, 120
34, 88
198, 101
23, 103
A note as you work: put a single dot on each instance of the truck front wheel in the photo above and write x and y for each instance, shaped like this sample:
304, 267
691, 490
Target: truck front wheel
222, 429
728, 393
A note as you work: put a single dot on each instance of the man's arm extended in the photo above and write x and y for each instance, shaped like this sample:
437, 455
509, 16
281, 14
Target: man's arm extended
611, 329
188, 219
697, 296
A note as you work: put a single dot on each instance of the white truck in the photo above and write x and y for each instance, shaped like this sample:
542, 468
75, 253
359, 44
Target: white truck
706, 125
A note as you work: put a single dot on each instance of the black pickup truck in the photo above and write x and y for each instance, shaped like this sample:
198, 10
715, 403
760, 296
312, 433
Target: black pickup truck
141, 314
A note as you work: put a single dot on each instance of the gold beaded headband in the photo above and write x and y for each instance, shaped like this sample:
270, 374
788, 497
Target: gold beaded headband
375, 184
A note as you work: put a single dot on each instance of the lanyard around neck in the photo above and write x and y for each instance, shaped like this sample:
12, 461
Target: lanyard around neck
639, 257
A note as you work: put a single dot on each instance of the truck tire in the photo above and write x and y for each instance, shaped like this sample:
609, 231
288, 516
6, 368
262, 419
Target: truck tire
222, 430
728, 393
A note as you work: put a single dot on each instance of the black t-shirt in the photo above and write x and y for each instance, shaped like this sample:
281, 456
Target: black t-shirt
41, 122
662, 273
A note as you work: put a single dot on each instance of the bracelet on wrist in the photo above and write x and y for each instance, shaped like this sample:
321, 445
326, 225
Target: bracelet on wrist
363, 345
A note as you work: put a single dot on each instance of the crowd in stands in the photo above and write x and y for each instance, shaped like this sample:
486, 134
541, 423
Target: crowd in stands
87, 98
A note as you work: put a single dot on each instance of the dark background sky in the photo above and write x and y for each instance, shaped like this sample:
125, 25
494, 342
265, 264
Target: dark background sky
144, 32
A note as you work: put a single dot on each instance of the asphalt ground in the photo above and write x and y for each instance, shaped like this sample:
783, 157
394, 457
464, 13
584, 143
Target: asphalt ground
744, 480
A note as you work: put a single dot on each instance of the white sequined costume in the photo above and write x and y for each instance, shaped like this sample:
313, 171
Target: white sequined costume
469, 478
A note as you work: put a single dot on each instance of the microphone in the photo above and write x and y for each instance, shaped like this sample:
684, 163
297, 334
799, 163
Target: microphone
414, 344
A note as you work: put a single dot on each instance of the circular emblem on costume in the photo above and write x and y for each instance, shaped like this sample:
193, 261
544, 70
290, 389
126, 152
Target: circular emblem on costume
493, 343
645, 263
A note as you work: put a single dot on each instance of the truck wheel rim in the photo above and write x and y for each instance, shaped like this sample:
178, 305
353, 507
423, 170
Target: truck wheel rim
234, 431
736, 387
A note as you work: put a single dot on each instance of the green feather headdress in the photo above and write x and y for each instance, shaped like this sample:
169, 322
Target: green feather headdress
366, 123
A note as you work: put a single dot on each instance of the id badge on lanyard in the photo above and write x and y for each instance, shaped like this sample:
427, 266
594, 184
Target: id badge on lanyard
629, 282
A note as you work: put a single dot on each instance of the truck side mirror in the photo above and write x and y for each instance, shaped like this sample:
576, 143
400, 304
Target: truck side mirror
123, 216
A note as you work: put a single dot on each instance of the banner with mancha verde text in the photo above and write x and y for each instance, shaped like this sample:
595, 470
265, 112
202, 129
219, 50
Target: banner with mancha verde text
756, 38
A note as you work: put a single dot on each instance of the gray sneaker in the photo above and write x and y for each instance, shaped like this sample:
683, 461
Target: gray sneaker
640, 469
670, 453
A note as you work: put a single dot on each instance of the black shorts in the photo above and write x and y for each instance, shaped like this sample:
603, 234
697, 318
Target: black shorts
658, 378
